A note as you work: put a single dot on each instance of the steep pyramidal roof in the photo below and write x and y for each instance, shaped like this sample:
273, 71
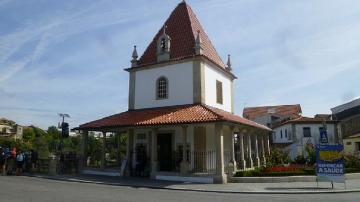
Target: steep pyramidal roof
182, 27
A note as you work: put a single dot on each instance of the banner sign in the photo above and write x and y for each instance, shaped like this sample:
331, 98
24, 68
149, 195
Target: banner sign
330, 163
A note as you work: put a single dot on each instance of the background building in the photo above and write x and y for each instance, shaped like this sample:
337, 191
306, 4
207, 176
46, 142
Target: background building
295, 134
272, 115
348, 115
10, 129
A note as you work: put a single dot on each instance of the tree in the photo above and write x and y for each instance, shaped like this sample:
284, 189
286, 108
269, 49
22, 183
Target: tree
54, 132
41, 146
29, 134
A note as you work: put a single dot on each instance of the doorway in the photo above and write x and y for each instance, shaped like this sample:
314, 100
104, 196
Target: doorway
164, 146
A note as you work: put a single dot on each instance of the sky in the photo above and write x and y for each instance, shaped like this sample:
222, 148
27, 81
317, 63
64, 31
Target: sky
68, 56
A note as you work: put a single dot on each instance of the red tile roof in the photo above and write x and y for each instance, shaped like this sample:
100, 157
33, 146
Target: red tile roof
182, 114
293, 111
182, 27
306, 120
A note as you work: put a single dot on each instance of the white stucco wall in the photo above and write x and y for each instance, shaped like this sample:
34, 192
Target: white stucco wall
180, 78
211, 75
299, 141
284, 139
315, 133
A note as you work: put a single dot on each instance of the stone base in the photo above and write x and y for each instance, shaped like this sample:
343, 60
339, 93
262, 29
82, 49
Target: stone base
220, 179
250, 163
243, 165
264, 160
235, 166
153, 170
184, 167
231, 169
258, 162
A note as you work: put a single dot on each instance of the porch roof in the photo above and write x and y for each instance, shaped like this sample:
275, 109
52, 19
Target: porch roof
182, 114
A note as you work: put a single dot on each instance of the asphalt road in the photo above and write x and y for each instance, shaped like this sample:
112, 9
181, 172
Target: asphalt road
21, 189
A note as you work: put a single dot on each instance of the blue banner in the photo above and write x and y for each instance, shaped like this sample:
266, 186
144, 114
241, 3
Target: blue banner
330, 163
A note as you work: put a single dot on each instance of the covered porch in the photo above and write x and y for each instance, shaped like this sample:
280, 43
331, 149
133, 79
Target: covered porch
184, 143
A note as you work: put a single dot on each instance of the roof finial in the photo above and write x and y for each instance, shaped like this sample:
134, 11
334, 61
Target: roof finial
228, 63
198, 43
164, 29
134, 61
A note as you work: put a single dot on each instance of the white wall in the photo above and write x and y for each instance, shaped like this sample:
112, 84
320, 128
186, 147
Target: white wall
315, 133
285, 138
180, 78
211, 75
299, 141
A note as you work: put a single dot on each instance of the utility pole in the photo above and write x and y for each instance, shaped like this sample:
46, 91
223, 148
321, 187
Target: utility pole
64, 132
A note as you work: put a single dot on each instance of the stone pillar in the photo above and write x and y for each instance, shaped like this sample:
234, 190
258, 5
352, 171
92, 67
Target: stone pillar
267, 144
251, 162
83, 150
118, 160
258, 164
220, 176
129, 151
184, 167
263, 152
242, 150
103, 153
232, 149
154, 155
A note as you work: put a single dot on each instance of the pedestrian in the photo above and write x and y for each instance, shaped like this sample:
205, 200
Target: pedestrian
19, 162
34, 160
11, 161
2, 161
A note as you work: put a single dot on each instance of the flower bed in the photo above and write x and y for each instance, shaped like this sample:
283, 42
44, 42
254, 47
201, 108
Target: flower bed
290, 170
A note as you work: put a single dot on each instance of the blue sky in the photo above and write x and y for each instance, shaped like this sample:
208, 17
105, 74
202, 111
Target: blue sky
69, 56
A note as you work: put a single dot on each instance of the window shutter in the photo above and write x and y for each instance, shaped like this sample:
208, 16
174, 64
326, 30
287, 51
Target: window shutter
219, 92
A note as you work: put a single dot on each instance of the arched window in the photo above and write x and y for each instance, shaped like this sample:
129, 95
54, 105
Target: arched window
162, 88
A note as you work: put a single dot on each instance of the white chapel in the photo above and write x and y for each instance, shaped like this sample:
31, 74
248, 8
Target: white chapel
180, 124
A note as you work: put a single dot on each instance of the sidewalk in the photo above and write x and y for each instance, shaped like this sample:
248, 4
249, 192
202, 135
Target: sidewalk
275, 188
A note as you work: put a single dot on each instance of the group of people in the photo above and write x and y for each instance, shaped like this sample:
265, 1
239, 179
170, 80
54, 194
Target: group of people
13, 161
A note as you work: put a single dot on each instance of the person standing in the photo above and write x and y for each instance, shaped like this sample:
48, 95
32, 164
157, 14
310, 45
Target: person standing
19, 163
11, 161
34, 160
2, 161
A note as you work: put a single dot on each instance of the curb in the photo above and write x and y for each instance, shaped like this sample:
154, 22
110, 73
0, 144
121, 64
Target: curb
194, 190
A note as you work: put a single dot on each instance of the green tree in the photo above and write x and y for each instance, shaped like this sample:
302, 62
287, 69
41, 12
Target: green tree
54, 132
29, 134
41, 146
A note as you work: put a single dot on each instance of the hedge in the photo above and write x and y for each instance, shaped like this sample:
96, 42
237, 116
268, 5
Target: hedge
304, 172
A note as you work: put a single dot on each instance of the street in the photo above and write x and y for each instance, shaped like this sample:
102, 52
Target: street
30, 189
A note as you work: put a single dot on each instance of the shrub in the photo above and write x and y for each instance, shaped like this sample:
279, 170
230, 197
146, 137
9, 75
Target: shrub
300, 159
352, 170
311, 151
277, 157
254, 173
352, 162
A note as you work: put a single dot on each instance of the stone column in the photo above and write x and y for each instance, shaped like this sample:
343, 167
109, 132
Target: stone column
184, 167
257, 150
83, 150
220, 176
267, 143
251, 162
129, 151
154, 154
103, 157
242, 150
232, 148
117, 136
263, 153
